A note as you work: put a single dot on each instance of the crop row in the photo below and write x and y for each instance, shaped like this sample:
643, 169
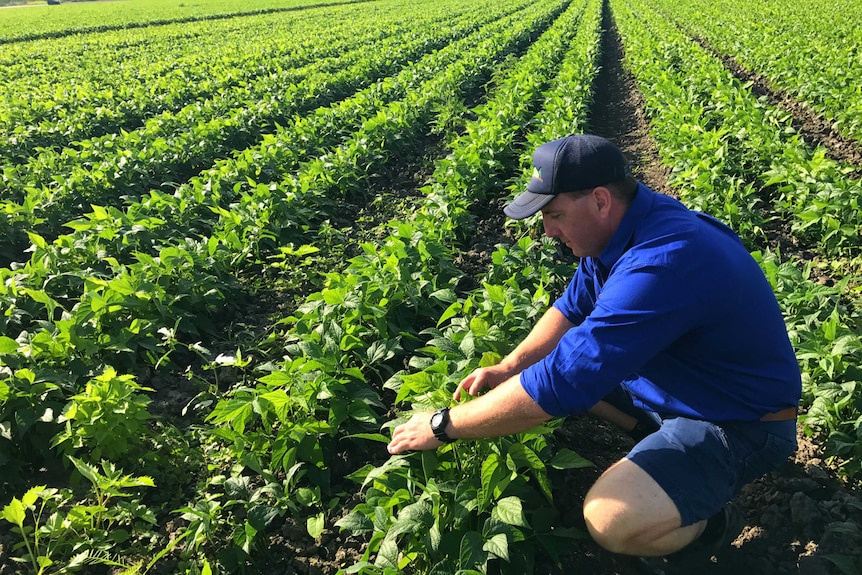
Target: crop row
471, 504
727, 147
807, 49
74, 18
54, 93
121, 168
756, 162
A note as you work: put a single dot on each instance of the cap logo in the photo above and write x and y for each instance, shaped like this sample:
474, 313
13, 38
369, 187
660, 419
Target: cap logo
537, 173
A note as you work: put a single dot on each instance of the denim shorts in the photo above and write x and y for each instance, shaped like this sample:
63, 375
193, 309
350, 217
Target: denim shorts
703, 465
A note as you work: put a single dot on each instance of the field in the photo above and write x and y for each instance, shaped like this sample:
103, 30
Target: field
240, 239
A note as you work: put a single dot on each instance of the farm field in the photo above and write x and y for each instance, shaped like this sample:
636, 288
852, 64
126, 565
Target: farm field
239, 239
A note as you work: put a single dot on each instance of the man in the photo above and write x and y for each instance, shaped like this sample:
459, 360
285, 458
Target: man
668, 328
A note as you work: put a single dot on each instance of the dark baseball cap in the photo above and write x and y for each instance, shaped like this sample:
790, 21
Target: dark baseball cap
576, 162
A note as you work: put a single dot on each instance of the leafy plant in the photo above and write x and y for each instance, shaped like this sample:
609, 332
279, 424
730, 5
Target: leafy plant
107, 419
59, 538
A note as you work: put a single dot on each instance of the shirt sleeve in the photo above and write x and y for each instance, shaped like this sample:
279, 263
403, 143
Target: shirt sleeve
638, 313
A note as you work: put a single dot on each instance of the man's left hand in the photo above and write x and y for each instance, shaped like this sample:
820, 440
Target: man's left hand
414, 434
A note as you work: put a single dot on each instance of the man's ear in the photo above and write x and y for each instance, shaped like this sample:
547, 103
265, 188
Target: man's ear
603, 198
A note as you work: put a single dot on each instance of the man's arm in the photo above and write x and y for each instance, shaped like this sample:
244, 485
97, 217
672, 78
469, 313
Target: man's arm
505, 410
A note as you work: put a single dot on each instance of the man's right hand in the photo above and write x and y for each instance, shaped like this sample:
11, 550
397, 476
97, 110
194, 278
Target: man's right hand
481, 378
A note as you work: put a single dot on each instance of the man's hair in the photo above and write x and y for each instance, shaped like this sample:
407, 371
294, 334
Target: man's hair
624, 190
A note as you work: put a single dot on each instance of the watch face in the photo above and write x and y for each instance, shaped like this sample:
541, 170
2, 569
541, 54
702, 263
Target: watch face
436, 419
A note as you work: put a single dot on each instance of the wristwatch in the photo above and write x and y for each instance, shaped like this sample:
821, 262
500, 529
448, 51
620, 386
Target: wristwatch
439, 421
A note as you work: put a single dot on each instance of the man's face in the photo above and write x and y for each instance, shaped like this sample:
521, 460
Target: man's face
579, 221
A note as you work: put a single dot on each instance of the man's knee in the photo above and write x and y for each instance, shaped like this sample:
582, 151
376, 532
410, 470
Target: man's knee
626, 511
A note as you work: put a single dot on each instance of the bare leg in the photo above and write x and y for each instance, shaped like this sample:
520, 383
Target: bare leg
608, 412
628, 512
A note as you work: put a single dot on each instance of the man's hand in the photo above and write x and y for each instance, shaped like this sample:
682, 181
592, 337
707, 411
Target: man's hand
481, 378
415, 434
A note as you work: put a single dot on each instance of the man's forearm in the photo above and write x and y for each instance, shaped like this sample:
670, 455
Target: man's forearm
504, 410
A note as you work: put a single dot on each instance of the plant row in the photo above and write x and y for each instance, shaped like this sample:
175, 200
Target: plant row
122, 167
82, 18
469, 506
807, 49
55, 93
760, 164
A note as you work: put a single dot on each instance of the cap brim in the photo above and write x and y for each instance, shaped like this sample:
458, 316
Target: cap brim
526, 205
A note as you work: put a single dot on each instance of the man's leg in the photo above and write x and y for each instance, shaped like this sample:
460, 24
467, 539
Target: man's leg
628, 512
658, 499
617, 407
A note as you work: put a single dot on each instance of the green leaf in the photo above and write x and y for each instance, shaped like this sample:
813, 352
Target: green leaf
280, 402
523, 455
235, 412
32, 495
450, 312
379, 437
387, 555
356, 523
510, 510
90, 472
413, 518
14, 512
315, 525
277, 379
260, 516
488, 476
378, 352
472, 552
8, 345
845, 563
568, 459
498, 546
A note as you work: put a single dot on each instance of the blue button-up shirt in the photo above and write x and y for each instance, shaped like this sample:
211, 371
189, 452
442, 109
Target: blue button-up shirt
677, 311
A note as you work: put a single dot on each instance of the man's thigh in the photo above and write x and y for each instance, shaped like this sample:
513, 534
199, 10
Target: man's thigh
701, 466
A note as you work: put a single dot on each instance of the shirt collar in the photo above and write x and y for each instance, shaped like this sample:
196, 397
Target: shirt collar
622, 238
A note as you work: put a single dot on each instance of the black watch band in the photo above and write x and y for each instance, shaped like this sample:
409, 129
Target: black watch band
439, 421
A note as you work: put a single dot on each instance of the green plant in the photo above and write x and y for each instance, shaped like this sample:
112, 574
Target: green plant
107, 419
60, 538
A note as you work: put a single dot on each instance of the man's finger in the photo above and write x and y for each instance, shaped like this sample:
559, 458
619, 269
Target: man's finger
463, 386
